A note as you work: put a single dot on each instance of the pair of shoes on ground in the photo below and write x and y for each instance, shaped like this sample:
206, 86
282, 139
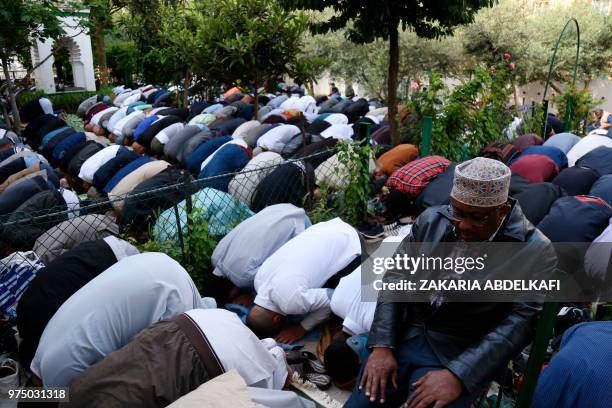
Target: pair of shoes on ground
374, 231
308, 366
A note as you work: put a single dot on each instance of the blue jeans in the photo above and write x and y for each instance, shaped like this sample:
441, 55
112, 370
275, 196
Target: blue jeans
415, 358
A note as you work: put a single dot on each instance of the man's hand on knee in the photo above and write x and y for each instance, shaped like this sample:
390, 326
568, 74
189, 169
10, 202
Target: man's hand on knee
381, 367
440, 388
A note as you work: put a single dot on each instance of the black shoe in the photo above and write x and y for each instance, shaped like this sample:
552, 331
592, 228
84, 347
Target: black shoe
371, 230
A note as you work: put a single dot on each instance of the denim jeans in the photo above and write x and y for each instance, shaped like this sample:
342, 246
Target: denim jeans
414, 358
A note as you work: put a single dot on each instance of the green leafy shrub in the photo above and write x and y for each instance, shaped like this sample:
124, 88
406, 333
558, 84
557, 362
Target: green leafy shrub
75, 122
200, 247
582, 104
122, 61
323, 208
468, 118
354, 198
68, 101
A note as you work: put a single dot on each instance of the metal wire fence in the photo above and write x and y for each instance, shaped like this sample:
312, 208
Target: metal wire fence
171, 212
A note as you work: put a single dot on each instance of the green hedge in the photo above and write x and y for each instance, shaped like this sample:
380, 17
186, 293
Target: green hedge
69, 101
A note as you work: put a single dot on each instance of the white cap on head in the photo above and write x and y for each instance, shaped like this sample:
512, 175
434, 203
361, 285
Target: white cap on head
481, 182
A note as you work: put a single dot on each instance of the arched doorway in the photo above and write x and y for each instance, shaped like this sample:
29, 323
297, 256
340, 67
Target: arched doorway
74, 54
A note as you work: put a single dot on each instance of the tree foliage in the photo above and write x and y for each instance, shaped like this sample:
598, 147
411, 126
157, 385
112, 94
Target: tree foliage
141, 24
252, 41
532, 39
231, 41
467, 118
367, 64
100, 22
367, 20
22, 23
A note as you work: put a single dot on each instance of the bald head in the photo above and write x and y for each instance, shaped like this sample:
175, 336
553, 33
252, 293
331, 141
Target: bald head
264, 322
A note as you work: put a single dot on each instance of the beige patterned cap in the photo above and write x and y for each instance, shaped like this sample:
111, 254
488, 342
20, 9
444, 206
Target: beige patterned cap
481, 182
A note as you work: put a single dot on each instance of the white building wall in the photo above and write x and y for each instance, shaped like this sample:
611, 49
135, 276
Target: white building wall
81, 57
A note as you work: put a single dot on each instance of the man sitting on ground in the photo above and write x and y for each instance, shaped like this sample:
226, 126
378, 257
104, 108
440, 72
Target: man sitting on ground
601, 120
443, 352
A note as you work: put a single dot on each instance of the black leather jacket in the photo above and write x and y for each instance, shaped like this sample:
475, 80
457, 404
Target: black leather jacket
473, 340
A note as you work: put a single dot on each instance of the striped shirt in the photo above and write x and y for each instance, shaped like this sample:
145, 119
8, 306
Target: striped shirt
16, 272
416, 175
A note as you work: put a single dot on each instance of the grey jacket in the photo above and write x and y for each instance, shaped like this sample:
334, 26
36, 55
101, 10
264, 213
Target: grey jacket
262, 234
68, 234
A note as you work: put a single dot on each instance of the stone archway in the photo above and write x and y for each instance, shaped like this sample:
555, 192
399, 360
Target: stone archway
78, 43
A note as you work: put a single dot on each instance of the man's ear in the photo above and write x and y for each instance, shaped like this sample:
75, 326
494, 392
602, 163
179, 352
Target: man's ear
277, 318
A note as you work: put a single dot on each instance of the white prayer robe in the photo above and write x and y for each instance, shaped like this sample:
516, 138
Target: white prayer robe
290, 281
261, 363
106, 313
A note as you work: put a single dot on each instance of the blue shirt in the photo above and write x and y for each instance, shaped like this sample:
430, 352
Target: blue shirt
554, 153
67, 143
195, 160
47, 138
213, 108
563, 141
599, 159
580, 374
127, 169
142, 126
603, 188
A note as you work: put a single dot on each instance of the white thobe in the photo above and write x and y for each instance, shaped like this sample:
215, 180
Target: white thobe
106, 313
340, 132
261, 363
169, 132
117, 116
95, 119
277, 138
336, 119
93, 164
290, 281
346, 303
126, 126
585, 145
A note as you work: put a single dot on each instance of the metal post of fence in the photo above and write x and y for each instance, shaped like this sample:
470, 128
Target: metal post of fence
366, 130
180, 233
426, 135
189, 216
544, 118
567, 120
307, 186
552, 65
544, 329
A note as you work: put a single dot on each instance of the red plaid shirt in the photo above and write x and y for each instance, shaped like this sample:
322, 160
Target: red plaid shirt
416, 175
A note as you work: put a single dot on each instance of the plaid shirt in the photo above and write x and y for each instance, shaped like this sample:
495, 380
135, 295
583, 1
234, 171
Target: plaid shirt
416, 175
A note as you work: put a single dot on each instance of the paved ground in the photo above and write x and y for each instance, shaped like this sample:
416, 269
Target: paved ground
334, 392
